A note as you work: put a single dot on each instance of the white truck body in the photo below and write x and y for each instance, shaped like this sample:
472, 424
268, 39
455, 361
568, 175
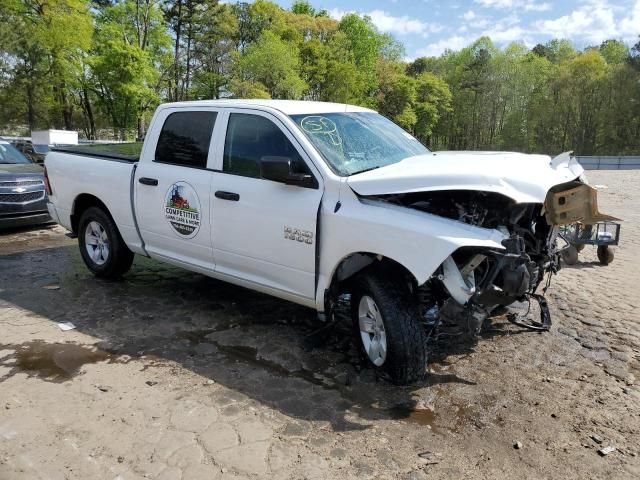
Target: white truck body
292, 241
54, 137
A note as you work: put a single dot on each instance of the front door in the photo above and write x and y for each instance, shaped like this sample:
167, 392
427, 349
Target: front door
172, 186
267, 232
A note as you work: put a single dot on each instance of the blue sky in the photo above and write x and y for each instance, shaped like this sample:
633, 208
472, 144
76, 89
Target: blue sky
427, 27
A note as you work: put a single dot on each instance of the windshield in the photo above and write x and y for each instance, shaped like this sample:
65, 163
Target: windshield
8, 154
353, 142
41, 148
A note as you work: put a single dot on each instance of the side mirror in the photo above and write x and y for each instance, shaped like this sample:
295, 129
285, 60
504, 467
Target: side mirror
279, 169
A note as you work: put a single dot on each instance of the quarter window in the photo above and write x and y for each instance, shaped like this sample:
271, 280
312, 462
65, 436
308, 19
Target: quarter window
185, 138
251, 137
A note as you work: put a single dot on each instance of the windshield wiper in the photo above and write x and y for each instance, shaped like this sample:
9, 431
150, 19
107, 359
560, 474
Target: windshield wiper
366, 170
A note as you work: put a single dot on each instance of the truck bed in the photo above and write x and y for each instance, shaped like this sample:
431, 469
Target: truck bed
107, 176
127, 152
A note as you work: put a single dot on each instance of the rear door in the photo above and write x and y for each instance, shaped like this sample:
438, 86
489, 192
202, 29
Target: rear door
266, 231
172, 187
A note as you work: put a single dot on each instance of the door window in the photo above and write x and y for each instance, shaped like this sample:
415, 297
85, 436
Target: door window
251, 137
185, 138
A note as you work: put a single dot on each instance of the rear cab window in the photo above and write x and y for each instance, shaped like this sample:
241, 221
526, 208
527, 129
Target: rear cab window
185, 139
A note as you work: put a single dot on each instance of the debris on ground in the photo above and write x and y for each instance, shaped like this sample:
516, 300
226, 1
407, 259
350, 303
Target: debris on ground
518, 445
430, 458
606, 450
66, 326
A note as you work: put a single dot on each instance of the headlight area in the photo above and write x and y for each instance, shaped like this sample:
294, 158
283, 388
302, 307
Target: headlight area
472, 283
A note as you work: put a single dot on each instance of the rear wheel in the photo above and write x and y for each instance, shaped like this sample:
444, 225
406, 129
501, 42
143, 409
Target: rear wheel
605, 254
101, 246
385, 320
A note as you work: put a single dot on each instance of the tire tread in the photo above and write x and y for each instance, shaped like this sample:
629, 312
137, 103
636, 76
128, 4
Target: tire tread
407, 341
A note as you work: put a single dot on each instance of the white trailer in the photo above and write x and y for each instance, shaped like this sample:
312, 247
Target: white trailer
54, 137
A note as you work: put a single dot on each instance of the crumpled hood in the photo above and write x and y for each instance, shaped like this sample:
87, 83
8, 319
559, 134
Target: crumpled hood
522, 177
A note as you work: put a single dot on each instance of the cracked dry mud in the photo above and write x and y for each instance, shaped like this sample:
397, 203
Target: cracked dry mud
172, 375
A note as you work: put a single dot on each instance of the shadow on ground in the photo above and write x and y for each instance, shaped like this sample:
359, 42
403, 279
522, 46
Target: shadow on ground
251, 343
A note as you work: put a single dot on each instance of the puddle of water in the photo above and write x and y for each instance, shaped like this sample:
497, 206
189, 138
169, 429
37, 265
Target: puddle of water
438, 422
54, 362
424, 416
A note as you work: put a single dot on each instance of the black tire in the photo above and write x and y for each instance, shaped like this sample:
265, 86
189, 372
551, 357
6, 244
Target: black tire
605, 254
119, 258
406, 355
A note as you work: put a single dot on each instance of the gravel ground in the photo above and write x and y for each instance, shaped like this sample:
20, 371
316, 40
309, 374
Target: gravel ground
173, 375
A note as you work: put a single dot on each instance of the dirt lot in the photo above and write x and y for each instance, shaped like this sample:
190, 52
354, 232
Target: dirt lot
173, 375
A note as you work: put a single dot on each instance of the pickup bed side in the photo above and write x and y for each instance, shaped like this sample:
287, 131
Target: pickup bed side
91, 180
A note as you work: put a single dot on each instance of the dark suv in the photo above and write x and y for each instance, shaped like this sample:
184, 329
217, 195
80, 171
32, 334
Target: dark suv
35, 153
23, 200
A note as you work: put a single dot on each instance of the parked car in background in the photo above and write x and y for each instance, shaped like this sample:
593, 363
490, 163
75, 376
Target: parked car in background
23, 200
34, 152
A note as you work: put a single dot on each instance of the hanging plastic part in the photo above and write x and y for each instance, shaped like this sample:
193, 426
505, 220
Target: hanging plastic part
544, 325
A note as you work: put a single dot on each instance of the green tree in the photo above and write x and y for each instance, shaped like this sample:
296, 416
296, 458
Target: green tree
45, 44
130, 62
272, 65
614, 52
433, 101
213, 51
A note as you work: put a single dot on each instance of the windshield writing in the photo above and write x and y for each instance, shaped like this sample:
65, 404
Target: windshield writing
353, 142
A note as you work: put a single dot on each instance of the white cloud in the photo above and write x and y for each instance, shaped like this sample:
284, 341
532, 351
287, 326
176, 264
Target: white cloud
470, 15
456, 42
591, 22
630, 25
496, 3
537, 7
387, 23
502, 31
338, 13
527, 5
594, 22
403, 25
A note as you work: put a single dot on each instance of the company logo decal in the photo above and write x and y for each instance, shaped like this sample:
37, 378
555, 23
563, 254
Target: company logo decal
182, 209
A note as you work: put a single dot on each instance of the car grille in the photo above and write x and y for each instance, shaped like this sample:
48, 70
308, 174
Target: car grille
21, 197
21, 183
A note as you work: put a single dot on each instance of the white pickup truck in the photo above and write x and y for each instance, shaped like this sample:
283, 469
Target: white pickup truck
317, 203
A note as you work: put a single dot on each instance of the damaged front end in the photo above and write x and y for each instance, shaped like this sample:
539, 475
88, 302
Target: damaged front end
472, 283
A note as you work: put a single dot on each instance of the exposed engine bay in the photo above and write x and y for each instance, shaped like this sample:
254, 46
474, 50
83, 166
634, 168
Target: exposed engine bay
472, 283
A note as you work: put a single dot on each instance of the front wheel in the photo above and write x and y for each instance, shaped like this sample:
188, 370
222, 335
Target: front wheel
101, 246
385, 320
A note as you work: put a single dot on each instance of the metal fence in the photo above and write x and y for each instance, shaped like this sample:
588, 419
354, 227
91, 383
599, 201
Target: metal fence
609, 163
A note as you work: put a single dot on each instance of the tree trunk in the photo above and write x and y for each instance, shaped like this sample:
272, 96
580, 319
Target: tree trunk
176, 54
185, 85
89, 112
141, 129
67, 109
31, 116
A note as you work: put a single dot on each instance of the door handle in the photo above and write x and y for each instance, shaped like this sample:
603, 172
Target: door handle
234, 197
148, 181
